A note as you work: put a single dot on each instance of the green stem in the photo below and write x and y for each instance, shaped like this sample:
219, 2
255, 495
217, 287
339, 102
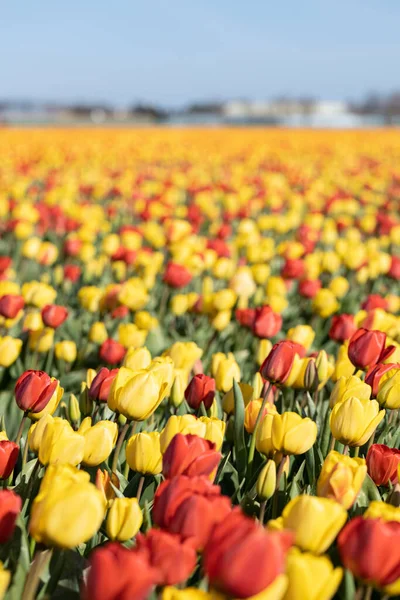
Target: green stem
41, 559
25, 455
253, 437
118, 447
21, 428
140, 488
356, 451
262, 512
278, 480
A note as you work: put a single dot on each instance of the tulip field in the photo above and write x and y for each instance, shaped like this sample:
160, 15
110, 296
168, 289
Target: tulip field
199, 364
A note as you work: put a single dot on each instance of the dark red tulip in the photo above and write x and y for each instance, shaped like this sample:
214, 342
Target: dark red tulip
266, 322
382, 463
200, 389
112, 352
177, 276
10, 305
241, 559
276, 367
370, 549
54, 315
173, 559
190, 455
10, 507
117, 573
33, 390
374, 375
8, 457
342, 327
367, 348
101, 384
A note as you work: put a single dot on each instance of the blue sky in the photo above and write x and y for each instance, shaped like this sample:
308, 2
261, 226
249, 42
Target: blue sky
172, 52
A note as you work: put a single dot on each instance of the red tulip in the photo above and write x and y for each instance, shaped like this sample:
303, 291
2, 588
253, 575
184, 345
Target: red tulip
33, 390
72, 272
10, 305
72, 247
308, 288
120, 312
342, 327
8, 457
370, 549
177, 276
245, 316
374, 375
101, 384
242, 559
190, 506
112, 352
367, 348
276, 367
382, 463
117, 573
293, 268
5, 263
190, 455
266, 323
174, 560
200, 389
394, 271
54, 315
10, 507
374, 301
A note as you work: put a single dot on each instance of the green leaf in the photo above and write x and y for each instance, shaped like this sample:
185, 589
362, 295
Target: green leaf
239, 441
371, 490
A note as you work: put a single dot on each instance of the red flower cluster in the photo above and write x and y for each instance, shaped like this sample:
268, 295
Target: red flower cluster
263, 321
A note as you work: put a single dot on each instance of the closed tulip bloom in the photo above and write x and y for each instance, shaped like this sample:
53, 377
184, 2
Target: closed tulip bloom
200, 389
347, 387
124, 519
60, 444
105, 484
389, 392
136, 394
369, 548
112, 352
215, 431
308, 288
8, 457
101, 384
11, 305
228, 370
100, 440
367, 348
302, 334
66, 350
33, 390
263, 349
41, 340
143, 453
378, 374
266, 322
178, 502
382, 463
131, 336
54, 315
68, 509
241, 559
341, 478
116, 573
184, 424
324, 303
342, 327
291, 434
353, 421
264, 435
184, 355
277, 366
343, 365
10, 507
177, 276
192, 593
190, 455
315, 522
311, 577
228, 400
36, 431
173, 559
137, 358
5, 578
252, 410
97, 333
266, 481
10, 349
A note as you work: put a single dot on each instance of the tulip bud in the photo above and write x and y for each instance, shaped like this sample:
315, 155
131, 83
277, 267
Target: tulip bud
98, 333
278, 364
311, 379
8, 457
74, 414
124, 519
66, 350
85, 401
103, 483
266, 482
178, 387
53, 315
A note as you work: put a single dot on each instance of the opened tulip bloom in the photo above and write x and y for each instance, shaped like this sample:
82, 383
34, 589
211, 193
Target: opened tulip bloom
190, 455
341, 478
311, 577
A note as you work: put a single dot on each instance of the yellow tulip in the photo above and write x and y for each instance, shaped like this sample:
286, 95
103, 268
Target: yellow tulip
252, 410
315, 522
263, 349
41, 340
264, 435
179, 386
38, 294
130, 336
221, 320
291, 434
66, 350
311, 577
324, 303
228, 370
382, 510
339, 286
89, 298
343, 365
354, 420
98, 333
5, 577
144, 320
143, 453
184, 355
33, 322
302, 334
51, 406
10, 349
68, 509
266, 481
124, 519
137, 358
341, 478
36, 430
346, 387
224, 299
215, 431
389, 392
60, 444
100, 440
184, 424
228, 401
